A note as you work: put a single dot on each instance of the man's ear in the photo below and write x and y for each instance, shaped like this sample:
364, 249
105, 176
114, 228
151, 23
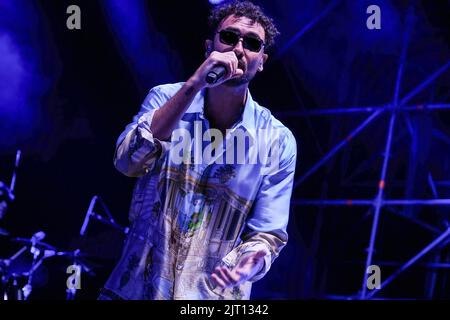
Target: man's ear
264, 58
208, 47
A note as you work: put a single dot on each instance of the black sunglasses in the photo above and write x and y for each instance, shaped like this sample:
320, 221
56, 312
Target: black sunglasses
231, 38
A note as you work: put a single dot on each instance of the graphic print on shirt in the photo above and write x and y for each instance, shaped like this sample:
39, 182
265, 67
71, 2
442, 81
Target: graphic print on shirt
204, 208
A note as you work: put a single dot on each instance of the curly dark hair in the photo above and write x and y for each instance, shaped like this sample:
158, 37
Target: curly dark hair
244, 9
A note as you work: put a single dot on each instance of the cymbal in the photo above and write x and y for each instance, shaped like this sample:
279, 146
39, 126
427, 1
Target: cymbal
37, 243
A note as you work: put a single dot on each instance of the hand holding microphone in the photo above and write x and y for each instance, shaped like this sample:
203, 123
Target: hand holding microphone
217, 68
215, 74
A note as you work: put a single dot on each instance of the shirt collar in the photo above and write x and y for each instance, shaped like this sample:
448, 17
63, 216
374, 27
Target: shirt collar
247, 120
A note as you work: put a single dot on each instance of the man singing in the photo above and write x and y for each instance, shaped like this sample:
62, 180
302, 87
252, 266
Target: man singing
207, 227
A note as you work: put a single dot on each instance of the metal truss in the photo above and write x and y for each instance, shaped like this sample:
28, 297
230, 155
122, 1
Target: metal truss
380, 200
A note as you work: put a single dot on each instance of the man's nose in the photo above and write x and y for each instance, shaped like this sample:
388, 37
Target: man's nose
239, 47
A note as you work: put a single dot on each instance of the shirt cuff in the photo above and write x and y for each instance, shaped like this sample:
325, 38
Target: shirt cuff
232, 258
145, 141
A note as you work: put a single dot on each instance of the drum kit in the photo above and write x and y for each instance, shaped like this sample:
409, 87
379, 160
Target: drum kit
17, 271
20, 271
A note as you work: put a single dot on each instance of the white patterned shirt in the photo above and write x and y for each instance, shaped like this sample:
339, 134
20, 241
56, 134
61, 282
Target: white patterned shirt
189, 217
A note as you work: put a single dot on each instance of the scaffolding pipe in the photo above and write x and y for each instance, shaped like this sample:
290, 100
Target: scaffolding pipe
339, 146
408, 264
353, 110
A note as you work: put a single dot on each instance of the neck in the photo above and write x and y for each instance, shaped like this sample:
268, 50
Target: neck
224, 105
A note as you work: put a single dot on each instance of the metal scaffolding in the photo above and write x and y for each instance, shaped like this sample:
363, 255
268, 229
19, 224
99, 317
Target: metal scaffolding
380, 200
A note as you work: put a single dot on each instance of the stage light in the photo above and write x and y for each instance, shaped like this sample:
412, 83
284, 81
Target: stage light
216, 2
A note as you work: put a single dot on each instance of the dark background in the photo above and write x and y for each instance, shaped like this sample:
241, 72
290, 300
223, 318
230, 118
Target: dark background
66, 95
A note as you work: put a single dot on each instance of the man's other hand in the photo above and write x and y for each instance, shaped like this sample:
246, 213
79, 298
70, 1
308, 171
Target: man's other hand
247, 267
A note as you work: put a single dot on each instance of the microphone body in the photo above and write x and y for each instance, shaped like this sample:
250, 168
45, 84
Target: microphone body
215, 74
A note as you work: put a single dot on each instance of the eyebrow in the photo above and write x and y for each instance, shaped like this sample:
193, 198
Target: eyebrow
250, 33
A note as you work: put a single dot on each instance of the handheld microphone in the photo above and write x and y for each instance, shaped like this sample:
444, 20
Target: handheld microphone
216, 74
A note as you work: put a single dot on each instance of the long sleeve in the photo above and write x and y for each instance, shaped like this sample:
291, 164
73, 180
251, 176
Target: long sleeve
266, 227
137, 150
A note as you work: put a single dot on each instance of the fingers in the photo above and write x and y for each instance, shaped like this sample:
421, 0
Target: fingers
228, 60
248, 266
232, 65
252, 258
238, 73
225, 278
218, 281
259, 254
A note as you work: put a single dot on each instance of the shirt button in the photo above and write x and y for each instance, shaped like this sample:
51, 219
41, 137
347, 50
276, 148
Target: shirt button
180, 266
